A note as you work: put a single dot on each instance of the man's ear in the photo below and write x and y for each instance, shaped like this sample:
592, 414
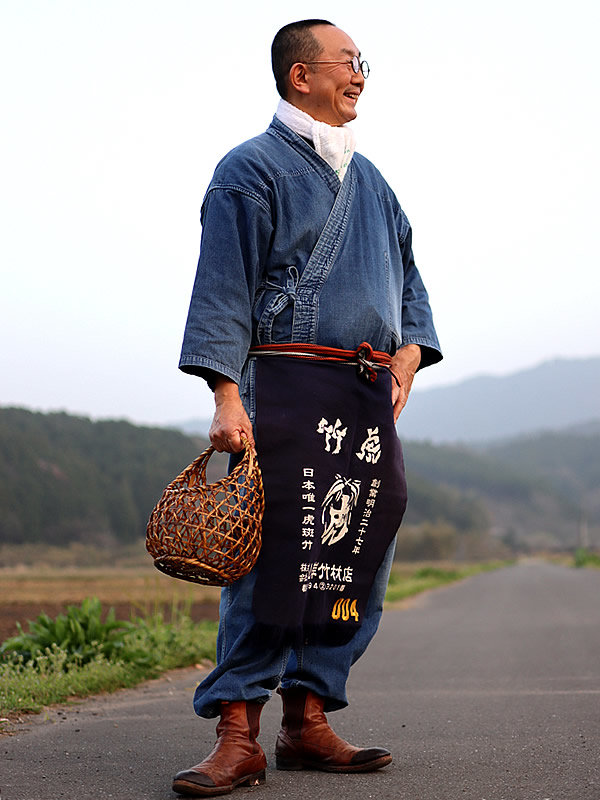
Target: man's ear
299, 78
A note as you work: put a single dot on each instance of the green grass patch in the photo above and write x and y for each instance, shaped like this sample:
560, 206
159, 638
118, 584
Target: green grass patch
405, 582
80, 633
586, 558
88, 656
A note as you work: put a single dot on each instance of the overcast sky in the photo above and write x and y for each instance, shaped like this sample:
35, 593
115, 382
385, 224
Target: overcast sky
483, 116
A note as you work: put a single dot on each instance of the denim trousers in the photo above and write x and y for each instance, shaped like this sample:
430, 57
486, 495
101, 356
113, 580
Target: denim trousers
250, 667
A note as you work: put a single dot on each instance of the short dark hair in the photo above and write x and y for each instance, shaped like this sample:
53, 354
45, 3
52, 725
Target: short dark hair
292, 43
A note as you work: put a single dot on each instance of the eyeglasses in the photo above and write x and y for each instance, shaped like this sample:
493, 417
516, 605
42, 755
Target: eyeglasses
355, 63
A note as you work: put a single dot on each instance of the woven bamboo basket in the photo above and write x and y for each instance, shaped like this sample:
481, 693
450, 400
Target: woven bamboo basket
209, 533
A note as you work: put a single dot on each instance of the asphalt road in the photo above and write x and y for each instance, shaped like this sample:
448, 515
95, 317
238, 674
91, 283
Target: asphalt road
485, 690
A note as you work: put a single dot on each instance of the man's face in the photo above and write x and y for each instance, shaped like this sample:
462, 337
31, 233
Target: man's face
334, 88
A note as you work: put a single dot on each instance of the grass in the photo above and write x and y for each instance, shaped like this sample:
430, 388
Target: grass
28, 687
31, 678
586, 558
55, 672
406, 581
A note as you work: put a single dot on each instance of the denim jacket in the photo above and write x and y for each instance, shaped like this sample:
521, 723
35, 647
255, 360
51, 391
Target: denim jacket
262, 215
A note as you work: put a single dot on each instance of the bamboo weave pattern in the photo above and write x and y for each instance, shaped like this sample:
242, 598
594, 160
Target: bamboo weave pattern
209, 533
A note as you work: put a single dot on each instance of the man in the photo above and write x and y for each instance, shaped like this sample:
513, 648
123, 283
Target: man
309, 320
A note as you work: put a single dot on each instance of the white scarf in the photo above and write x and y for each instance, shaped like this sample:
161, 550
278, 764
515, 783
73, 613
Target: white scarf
335, 145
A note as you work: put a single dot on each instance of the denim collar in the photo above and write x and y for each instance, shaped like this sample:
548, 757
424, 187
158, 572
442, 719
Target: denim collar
278, 129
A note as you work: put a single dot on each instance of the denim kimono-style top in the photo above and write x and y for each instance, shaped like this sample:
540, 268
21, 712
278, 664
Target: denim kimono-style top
262, 216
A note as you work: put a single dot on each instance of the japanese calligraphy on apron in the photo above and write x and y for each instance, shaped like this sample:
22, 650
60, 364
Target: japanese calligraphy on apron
335, 493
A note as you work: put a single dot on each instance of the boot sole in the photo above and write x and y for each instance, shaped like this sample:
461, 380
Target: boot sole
196, 790
301, 763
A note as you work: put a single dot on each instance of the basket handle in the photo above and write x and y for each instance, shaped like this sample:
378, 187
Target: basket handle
201, 463
249, 451
249, 457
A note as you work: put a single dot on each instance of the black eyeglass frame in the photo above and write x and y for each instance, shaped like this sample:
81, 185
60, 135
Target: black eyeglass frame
356, 64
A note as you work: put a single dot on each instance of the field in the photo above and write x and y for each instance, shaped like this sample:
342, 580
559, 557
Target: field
27, 591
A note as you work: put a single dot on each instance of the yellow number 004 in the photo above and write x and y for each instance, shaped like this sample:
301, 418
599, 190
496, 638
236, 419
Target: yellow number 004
344, 608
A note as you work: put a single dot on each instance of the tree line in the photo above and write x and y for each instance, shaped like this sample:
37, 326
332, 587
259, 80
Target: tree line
65, 479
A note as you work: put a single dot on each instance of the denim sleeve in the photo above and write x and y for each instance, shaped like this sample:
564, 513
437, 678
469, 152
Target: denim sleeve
236, 230
417, 320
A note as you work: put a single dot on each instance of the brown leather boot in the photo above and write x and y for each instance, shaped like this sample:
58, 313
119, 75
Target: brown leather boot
237, 758
306, 741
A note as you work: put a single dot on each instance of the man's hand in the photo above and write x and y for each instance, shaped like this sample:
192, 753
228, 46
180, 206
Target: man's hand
404, 365
230, 422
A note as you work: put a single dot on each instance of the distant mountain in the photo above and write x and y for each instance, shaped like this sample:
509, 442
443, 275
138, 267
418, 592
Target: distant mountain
566, 460
552, 396
193, 427
591, 428
536, 492
65, 478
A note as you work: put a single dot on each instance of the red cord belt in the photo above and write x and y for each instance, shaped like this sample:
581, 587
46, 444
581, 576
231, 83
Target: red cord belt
367, 359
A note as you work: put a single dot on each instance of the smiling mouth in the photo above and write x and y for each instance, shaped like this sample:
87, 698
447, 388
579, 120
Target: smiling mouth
352, 96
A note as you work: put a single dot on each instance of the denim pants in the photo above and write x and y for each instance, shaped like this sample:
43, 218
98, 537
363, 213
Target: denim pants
249, 668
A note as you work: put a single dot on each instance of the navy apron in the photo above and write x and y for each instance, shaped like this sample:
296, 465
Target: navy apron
335, 494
